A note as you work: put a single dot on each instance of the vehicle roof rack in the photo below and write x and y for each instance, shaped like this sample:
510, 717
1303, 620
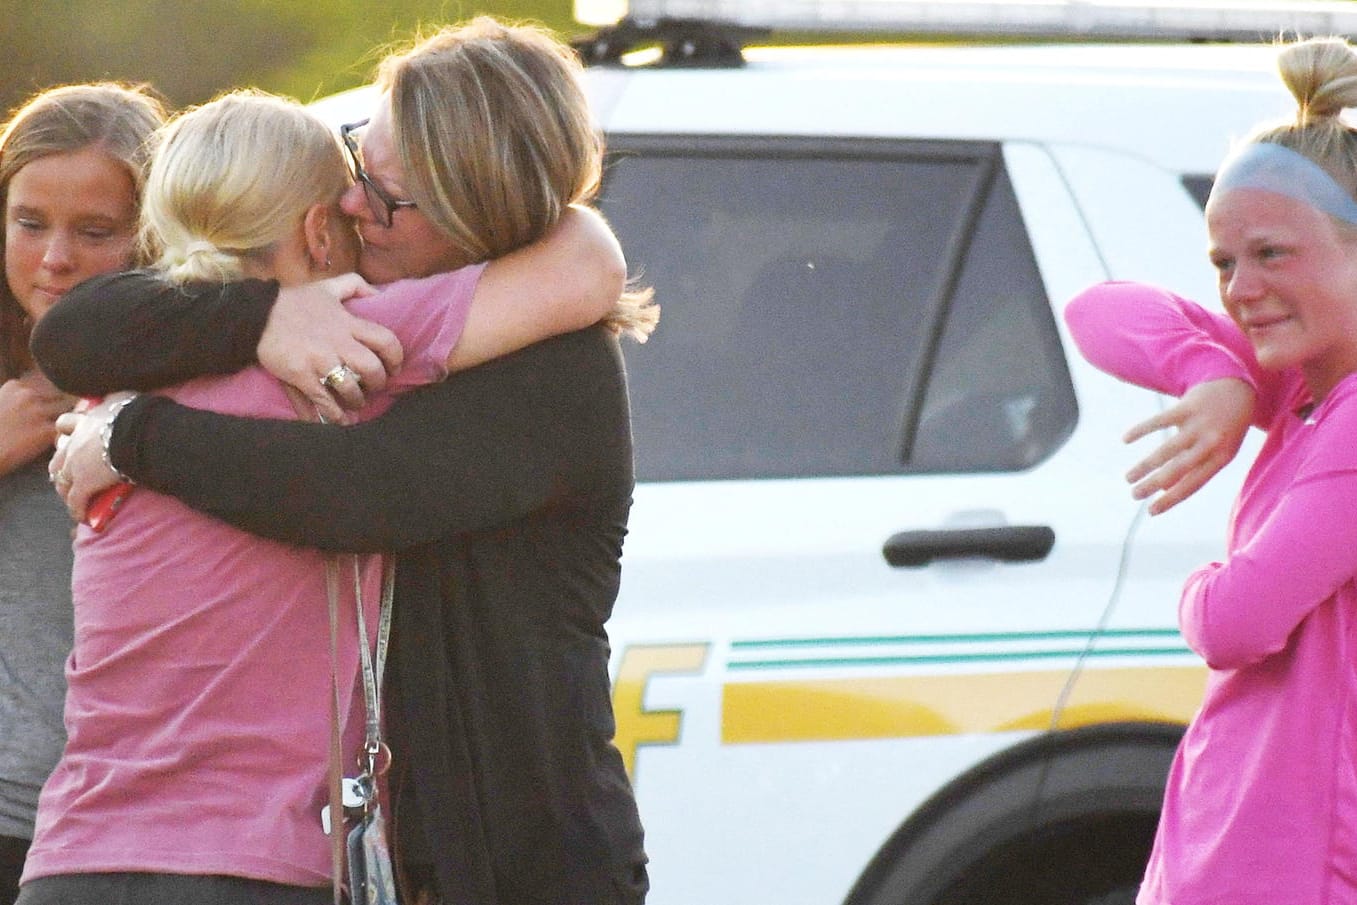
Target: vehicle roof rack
713, 32
682, 42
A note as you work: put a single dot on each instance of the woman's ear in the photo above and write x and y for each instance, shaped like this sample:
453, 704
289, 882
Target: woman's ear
316, 230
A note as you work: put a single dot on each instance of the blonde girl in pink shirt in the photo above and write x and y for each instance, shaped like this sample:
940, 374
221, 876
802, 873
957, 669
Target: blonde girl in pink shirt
1261, 803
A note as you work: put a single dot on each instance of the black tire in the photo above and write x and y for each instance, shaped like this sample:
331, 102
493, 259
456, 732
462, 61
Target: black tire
1066, 818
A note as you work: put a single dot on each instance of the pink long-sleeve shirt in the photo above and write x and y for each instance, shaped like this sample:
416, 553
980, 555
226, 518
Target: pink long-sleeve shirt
199, 686
1261, 803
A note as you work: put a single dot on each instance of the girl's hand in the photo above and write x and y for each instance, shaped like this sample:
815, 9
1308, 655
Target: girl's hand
1210, 422
28, 406
78, 469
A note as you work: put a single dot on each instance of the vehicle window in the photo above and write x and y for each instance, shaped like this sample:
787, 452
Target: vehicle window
999, 396
812, 294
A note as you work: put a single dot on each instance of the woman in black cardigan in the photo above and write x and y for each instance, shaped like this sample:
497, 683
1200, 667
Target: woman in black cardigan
504, 490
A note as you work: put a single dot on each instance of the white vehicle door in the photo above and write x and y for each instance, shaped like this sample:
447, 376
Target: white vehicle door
881, 513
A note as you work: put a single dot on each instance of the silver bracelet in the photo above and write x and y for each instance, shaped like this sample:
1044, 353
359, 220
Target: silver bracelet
106, 437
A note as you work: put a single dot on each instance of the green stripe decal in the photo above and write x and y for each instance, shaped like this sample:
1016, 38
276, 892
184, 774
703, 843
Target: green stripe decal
997, 657
977, 638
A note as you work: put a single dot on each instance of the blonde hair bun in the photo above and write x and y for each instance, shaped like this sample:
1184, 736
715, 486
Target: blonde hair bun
233, 177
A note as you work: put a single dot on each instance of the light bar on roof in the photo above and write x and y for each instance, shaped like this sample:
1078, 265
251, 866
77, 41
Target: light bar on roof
1239, 20
599, 12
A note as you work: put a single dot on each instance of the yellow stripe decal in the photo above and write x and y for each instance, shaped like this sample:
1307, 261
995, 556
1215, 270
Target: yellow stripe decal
910, 706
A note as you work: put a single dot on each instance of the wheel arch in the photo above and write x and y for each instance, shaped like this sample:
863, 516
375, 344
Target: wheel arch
1011, 799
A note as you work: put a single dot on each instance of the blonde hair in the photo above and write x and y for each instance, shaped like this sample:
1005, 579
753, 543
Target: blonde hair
231, 178
1321, 74
494, 132
118, 119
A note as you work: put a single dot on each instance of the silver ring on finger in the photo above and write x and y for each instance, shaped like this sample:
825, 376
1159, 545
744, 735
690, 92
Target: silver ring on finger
338, 376
335, 376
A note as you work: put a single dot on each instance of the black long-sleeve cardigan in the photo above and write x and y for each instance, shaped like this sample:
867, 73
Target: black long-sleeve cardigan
504, 492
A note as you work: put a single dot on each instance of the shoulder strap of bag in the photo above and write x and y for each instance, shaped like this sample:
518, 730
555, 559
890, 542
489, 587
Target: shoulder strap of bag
336, 744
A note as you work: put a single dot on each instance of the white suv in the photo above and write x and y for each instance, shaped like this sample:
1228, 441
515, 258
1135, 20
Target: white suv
891, 630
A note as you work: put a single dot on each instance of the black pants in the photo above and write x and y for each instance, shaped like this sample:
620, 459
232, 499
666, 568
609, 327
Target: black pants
12, 852
166, 889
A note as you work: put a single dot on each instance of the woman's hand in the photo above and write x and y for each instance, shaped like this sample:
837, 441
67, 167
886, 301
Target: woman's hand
29, 404
310, 337
78, 469
1210, 422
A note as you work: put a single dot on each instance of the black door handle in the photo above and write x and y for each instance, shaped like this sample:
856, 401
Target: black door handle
1010, 543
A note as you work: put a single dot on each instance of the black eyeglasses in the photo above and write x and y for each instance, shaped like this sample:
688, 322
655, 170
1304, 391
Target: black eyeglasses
382, 205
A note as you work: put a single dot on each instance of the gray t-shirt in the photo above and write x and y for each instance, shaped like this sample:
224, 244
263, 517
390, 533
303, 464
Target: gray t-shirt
35, 638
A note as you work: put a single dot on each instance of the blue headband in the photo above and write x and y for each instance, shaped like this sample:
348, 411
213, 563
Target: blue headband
1273, 168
